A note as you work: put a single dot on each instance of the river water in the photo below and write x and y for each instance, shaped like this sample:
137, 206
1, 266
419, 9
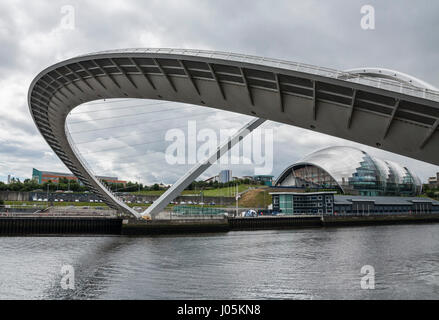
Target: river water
292, 264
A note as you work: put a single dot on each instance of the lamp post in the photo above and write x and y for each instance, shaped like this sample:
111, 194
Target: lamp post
47, 194
237, 197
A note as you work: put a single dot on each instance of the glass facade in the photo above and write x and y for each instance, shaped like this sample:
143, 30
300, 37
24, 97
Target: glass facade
303, 203
286, 203
225, 176
351, 171
367, 179
309, 176
326, 203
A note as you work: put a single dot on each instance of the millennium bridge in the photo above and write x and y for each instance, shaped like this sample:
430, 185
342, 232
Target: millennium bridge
381, 108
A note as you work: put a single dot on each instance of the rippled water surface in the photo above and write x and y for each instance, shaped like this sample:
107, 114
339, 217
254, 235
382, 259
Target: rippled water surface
294, 264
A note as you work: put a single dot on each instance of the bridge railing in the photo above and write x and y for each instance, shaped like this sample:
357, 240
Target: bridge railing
295, 66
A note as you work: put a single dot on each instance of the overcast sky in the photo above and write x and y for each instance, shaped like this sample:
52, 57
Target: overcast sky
324, 33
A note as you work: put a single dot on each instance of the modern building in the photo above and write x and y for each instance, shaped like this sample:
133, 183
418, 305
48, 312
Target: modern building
327, 203
225, 176
45, 176
350, 171
303, 203
265, 179
434, 181
348, 205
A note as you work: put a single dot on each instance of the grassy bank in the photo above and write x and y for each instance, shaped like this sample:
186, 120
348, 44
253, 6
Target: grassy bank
258, 198
220, 192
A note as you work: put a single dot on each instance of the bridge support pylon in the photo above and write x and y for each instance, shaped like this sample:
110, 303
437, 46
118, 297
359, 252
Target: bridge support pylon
199, 168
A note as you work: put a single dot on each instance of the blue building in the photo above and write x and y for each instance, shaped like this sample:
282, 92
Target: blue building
225, 176
290, 203
328, 203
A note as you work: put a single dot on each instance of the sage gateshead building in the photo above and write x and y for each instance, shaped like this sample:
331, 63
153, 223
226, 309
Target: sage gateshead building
350, 171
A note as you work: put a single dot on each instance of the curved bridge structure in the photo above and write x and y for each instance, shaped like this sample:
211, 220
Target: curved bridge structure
382, 73
394, 116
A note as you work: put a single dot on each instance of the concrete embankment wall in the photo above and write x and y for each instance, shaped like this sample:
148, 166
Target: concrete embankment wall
134, 227
274, 222
15, 226
41, 225
330, 221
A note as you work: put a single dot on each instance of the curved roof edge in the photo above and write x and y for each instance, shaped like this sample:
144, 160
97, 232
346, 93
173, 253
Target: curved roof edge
308, 160
285, 172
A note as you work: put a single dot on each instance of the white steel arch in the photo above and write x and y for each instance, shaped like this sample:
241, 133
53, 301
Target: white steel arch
398, 76
396, 117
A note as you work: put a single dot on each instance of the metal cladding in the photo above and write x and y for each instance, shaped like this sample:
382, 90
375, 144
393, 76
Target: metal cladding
384, 113
352, 171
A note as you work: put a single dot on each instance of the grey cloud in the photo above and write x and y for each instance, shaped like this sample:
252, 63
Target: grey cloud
325, 33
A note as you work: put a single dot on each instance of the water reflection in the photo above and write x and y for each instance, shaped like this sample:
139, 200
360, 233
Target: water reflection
295, 264
94, 270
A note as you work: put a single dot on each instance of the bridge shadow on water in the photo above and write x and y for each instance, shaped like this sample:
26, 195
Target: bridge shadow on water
94, 270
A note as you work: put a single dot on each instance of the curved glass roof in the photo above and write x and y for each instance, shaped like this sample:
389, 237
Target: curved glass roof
354, 169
